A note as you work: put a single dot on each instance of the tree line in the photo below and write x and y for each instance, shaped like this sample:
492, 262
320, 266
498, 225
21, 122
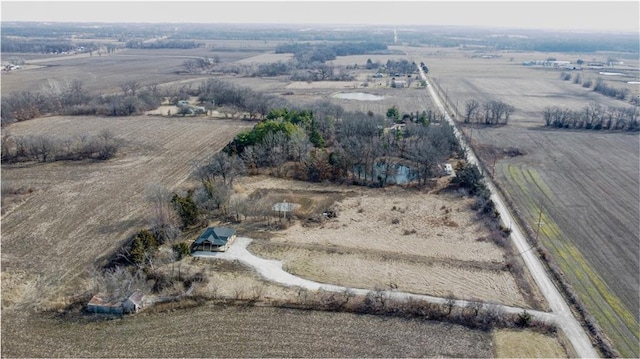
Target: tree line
493, 112
163, 44
46, 46
43, 148
593, 117
322, 52
70, 98
600, 86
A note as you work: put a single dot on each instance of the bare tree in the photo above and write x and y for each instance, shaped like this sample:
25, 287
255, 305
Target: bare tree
163, 219
471, 109
221, 165
130, 88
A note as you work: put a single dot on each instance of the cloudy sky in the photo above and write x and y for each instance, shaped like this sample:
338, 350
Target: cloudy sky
566, 15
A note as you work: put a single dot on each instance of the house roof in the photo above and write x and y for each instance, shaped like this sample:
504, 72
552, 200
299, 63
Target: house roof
217, 236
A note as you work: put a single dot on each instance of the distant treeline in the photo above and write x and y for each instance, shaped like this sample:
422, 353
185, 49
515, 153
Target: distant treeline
307, 52
593, 117
487, 39
163, 44
43, 45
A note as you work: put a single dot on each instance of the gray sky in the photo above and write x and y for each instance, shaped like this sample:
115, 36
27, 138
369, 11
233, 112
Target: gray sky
567, 15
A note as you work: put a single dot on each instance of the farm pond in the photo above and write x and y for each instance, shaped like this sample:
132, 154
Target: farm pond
359, 96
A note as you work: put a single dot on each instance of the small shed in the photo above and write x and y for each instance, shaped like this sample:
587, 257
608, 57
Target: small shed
214, 239
134, 302
284, 208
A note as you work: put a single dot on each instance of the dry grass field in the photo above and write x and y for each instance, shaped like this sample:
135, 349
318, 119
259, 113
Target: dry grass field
583, 185
512, 343
409, 240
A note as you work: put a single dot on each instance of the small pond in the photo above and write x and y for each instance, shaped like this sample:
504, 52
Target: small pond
359, 96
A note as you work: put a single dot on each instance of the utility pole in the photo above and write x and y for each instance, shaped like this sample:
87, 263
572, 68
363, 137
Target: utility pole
493, 169
539, 221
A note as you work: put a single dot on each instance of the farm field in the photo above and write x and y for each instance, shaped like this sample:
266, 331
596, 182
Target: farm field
584, 186
239, 332
79, 212
105, 73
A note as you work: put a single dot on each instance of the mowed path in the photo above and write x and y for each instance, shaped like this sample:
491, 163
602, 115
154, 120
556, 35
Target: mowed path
83, 211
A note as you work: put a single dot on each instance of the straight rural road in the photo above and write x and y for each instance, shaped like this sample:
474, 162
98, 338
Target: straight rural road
563, 316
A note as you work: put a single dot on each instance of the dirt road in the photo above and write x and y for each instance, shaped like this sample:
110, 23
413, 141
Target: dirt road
564, 318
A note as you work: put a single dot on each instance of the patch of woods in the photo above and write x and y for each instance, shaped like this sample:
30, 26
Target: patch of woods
358, 148
593, 117
46, 148
493, 112
70, 98
322, 52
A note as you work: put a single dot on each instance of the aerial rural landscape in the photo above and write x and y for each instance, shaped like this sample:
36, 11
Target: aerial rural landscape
315, 190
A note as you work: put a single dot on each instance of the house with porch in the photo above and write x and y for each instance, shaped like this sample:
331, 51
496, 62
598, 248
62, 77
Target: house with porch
214, 239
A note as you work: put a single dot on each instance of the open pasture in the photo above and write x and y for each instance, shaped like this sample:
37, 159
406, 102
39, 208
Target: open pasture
585, 183
82, 211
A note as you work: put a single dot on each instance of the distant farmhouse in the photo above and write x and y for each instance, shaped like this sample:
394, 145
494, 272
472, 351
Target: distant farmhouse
214, 239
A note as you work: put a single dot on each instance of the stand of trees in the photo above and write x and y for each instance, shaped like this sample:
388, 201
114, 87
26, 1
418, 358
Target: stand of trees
593, 117
102, 146
357, 147
322, 52
603, 88
70, 98
489, 113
